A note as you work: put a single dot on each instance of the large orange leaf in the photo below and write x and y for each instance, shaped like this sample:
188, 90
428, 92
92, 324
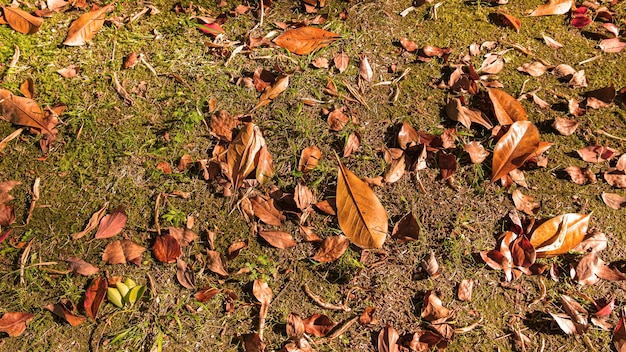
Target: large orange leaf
22, 111
305, 40
361, 216
242, 153
21, 20
553, 7
86, 26
506, 108
514, 148
559, 234
14, 323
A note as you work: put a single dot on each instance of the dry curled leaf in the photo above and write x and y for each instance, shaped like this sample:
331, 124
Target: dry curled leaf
309, 158
560, 234
241, 155
534, 69
23, 111
432, 307
14, 323
305, 40
565, 126
525, 203
407, 229
476, 151
388, 339
86, 26
551, 43
166, 248
431, 266
332, 248
222, 125
619, 334
362, 217
278, 239
66, 310
553, 7
270, 93
184, 274
21, 20
94, 295
69, 72
514, 148
341, 61
464, 292
264, 209
597, 153
318, 325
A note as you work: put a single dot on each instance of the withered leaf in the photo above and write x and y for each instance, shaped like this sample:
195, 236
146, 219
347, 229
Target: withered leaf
464, 292
318, 325
295, 327
362, 217
431, 266
264, 165
183, 236
407, 229
166, 248
565, 126
492, 64
388, 339
594, 242
514, 148
352, 143
341, 61
476, 151
597, 153
69, 72
309, 158
407, 135
123, 251
94, 295
432, 307
264, 209
21, 20
534, 69
368, 316
591, 269
579, 80
262, 292
615, 178
553, 7
613, 200
86, 26
93, 222
305, 40
222, 125
565, 323
337, 119
447, 165
215, 263
270, 93
619, 334
14, 323
551, 43
206, 293
112, 224
612, 45
278, 239
234, 249
559, 234
184, 274
525, 203
22, 111
332, 248
309, 235
66, 310
253, 343
242, 153
506, 108
28, 88
395, 170
365, 70
81, 267
508, 20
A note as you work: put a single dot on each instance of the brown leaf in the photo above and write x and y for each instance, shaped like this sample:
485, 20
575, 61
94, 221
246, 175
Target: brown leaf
408, 45
551, 43
14, 323
86, 26
464, 115
525, 203
563, 71
431, 266
21, 20
114, 253
492, 64
619, 334
69, 72
93, 222
242, 153
361, 216
309, 234
565, 126
66, 310
600, 98
553, 7
612, 45
278, 239
94, 295
166, 249
508, 20
407, 136
337, 120
265, 210
132, 251
514, 148
264, 165
613, 200
597, 153
506, 108
262, 292
270, 93
594, 242
432, 308
22, 111
112, 224
222, 125
183, 236
534, 69
615, 178
295, 326
253, 343
309, 158
326, 207
407, 229
341, 61
476, 151
318, 325
206, 293
320, 62
303, 197
579, 80
368, 316
559, 234
395, 170
388, 339
464, 292
352, 144
234, 249
578, 175
215, 263
28, 88
81, 267
565, 323
184, 274
447, 165
332, 248
305, 40
365, 70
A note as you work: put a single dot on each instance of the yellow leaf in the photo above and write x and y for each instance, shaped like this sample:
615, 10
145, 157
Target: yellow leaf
559, 234
361, 216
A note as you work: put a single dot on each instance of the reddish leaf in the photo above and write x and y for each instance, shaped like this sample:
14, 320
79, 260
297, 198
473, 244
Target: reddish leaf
14, 323
332, 248
166, 249
278, 239
123, 251
213, 29
81, 267
305, 40
447, 165
206, 293
318, 325
597, 153
112, 224
619, 334
94, 295
309, 158
66, 310
408, 45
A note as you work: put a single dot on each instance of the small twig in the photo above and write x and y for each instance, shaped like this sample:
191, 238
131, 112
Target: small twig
142, 58
590, 60
34, 200
468, 328
317, 299
262, 316
157, 206
16, 56
343, 328
542, 296
610, 135
23, 259
10, 137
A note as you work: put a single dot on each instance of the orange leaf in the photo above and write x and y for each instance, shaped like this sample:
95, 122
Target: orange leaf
559, 234
318, 325
309, 158
332, 248
112, 224
215, 263
66, 310
14, 323
94, 295
166, 249
21, 20
86, 26
305, 40
22, 111
506, 108
278, 239
406, 229
362, 217
242, 153
514, 148
553, 7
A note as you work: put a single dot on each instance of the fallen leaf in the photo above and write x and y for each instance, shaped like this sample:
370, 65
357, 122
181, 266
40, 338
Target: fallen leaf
493, 64
591, 269
341, 61
112, 224
332, 248
368, 316
270, 93
408, 45
22, 111
600, 98
253, 343
69, 72
565, 126
130, 60
551, 43
166, 249
305, 40
242, 153
67, 311
560, 234
553, 7
464, 292
337, 119
352, 143
447, 165
86, 26
309, 158
613, 200
407, 229
506, 108
93, 222
525, 203
183, 236
94, 295
234, 249
263, 293
28, 88
206, 293
362, 217
578, 80
577, 174
565, 323
407, 136
222, 125
594, 242
395, 170
476, 151
264, 209
278, 239
365, 70
431, 266
388, 339
21, 20
432, 307
184, 274
14, 323
619, 334
464, 115
563, 71
581, 17
612, 45
514, 148
508, 20
534, 69
81, 267
320, 62
215, 263
318, 325
597, 153
615, 178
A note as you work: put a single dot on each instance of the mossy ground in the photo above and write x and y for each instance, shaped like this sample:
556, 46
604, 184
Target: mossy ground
108, 151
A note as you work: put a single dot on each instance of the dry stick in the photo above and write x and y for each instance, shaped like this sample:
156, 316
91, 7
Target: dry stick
16, 56
317, 299
23, 260
10, 137
610, 135
343, 328
35, 199
157, 205
262, 316
543, 293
